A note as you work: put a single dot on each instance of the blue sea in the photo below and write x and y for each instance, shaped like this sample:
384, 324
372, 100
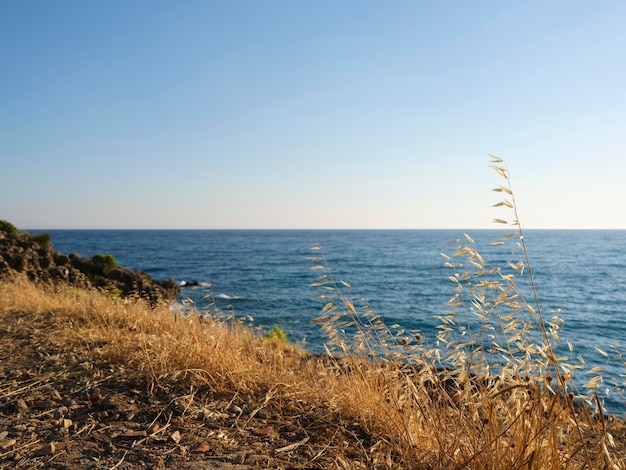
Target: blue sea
265, 274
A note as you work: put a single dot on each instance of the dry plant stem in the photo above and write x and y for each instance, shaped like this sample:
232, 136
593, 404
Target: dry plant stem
540, 320
371, 346
487, 389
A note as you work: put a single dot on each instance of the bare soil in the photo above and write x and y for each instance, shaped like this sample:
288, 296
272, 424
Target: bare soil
59, 410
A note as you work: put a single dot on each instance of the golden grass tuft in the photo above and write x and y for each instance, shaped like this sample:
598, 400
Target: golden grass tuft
154, 344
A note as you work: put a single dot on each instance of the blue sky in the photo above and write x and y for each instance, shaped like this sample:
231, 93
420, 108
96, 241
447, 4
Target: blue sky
325, 114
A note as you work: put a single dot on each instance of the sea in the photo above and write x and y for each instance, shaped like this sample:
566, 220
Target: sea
265, 276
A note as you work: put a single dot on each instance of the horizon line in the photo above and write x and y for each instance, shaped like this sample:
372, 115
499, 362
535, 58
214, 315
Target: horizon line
501, 228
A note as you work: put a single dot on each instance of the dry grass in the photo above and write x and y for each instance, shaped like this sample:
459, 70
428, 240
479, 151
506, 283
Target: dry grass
204, 369
494, 395
378, 413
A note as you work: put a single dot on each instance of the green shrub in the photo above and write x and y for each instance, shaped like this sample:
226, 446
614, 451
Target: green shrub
277, 334
104, 263
8, 227
42, 239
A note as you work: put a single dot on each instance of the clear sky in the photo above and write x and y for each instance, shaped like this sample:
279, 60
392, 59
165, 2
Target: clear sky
310, 114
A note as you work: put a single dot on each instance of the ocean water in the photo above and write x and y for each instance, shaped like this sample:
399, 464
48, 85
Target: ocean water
265, 274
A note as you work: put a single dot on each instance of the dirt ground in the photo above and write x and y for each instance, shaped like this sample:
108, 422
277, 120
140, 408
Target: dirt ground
62, 412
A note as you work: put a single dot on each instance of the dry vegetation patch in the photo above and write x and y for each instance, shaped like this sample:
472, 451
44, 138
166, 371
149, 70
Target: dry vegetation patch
92, 382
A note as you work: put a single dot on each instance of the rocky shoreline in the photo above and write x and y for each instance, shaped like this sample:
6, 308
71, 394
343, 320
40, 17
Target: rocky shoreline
21, 252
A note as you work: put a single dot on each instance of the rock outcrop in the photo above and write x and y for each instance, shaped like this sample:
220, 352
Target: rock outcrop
20, 252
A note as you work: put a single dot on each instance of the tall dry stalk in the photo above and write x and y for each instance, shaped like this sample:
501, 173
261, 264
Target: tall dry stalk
495, 394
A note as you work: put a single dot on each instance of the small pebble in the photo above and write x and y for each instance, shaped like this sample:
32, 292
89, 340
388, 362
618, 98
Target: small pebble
48, 449
20, 405
6, 443
200, 448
